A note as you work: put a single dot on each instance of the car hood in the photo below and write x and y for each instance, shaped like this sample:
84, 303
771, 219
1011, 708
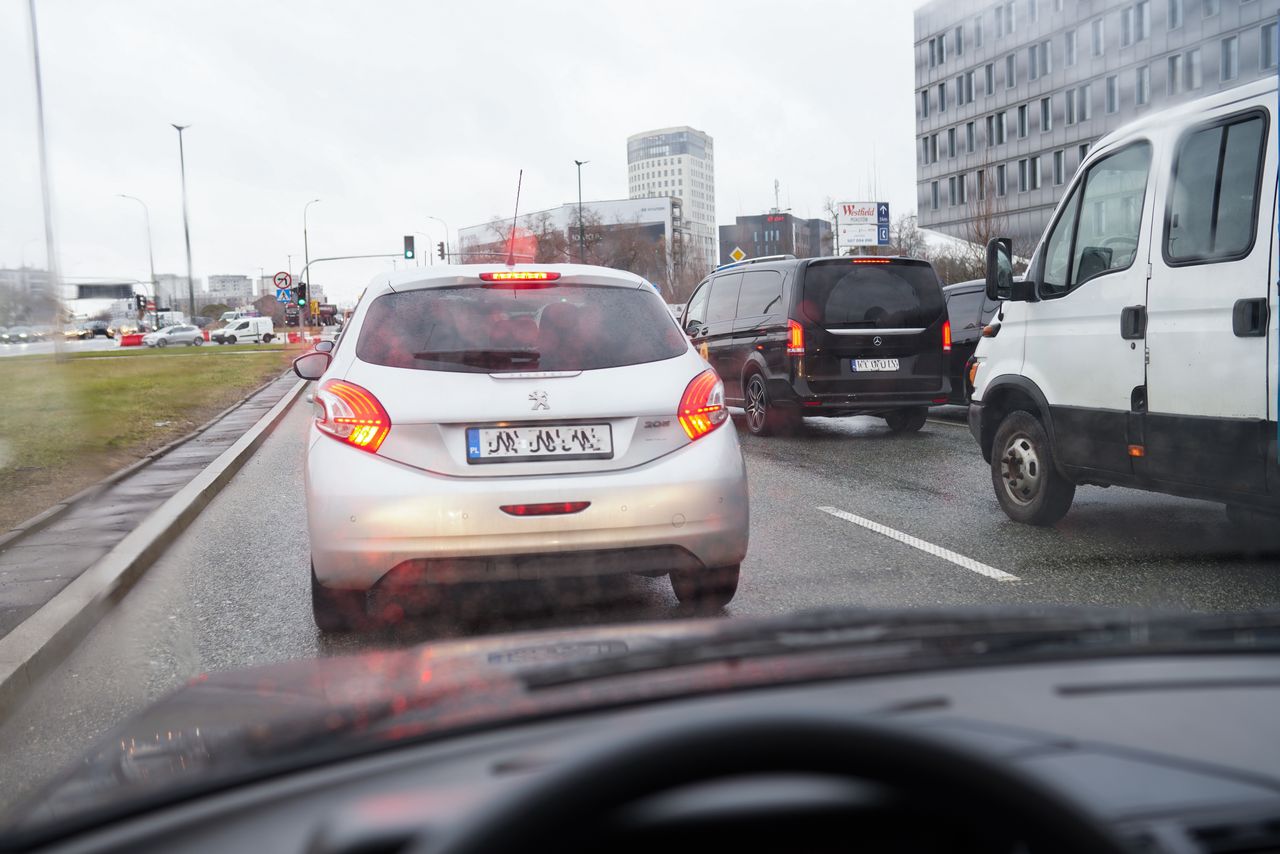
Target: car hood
223, 728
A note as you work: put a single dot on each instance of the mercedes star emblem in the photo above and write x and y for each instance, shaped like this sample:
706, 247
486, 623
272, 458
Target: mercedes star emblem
877, 340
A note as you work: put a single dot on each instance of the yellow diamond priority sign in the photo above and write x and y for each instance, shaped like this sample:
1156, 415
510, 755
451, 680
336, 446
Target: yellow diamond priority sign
737, 254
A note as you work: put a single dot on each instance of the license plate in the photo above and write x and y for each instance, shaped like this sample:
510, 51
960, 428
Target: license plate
875, 365
547, 441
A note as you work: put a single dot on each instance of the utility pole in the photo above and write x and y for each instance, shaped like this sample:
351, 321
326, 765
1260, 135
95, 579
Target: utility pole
186, 225
151, 258
306, 252
582, 239
51, 255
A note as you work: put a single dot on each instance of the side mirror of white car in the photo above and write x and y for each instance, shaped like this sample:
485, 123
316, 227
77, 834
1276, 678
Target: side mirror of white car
312, 366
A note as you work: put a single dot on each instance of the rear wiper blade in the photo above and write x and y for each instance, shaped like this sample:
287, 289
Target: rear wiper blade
903, 635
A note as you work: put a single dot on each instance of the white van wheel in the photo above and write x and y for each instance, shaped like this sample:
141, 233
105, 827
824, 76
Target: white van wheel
266, 339
1027, 482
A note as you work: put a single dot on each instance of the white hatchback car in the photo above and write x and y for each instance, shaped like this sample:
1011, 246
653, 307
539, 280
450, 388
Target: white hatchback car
487, 423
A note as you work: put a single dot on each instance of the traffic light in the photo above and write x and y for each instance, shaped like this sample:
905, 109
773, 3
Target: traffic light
408, 247
140, 301
300, 293
440, 250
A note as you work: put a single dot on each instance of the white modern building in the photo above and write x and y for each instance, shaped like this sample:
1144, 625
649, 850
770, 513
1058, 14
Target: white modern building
678, 162
230, 290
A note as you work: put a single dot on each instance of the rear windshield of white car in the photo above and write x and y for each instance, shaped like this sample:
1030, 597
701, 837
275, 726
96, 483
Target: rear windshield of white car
895, 295
488, 329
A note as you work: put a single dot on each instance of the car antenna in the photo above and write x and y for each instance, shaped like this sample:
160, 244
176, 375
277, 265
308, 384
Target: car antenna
511, 244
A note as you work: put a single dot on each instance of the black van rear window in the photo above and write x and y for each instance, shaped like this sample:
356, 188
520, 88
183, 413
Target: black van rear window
478, 329
873, 296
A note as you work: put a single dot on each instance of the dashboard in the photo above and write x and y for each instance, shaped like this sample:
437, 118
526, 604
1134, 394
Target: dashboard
1173, 754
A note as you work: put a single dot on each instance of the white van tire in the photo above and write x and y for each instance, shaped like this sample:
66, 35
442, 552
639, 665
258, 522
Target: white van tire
1026, 479
230, 339
266, 339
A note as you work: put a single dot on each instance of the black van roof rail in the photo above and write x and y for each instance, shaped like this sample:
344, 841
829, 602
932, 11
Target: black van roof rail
760, 260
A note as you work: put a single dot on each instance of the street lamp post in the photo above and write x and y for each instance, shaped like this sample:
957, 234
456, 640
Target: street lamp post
306, 251
46, 193
448, 255
431, 256
186, 225
582, 242
151, 255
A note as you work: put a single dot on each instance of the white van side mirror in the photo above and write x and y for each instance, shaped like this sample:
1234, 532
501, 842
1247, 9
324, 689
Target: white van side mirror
999, 269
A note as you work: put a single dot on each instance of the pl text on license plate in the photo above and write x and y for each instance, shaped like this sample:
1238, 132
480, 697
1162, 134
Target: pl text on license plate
562, 441
875, 364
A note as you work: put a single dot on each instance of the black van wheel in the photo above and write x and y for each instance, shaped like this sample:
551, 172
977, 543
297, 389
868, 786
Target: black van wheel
336, 610
764, 418
1027, 482
907, 420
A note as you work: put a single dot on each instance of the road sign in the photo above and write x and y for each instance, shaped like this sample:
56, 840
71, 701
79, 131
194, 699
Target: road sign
737, 254
863, 223
283, 295
283, 280
151, 305
315, 307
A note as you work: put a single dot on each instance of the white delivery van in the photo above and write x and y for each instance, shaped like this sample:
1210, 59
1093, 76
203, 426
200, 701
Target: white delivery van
246, 329
1141, 350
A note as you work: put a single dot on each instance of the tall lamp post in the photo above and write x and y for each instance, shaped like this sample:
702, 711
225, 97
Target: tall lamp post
306, 251
582, 241
151, 255
186, 225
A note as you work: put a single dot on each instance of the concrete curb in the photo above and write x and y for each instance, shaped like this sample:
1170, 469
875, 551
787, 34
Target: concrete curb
44, 639
47, 517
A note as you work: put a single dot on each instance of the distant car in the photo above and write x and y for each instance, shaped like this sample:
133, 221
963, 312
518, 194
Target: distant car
188, 335
825, 336
77, 332
246, 329
21, 335
490, 423
4, 335
969, 310
100, 327
42, 333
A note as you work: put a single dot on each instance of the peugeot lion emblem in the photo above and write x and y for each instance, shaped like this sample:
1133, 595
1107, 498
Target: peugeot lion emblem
539, 399
877, 341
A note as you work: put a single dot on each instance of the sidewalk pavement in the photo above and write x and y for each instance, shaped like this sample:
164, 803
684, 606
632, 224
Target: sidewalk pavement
37, 564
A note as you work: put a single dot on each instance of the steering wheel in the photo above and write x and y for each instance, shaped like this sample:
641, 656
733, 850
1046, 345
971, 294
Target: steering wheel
925, 769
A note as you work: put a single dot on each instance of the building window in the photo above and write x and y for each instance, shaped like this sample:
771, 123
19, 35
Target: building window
1033, 67
942, 50
1111, 93
1005, 19
1002, 181
942, 97
1022, 121
933, 148
1034, 167
1173, 79
982, 184
989, 74
1126, 26
1212, 7
959, 90
977, 31
951, 142
991, 131
1195, 73
934, 195
1033, 10
1022, 175
968, 87
1098, 35
951, 191
1046, 115
1002, 127
1083, 151
1175, 14
970, 137
1230, 58
1059, 168
1267, 52
1010, 71
1069, 47
1141, 20
1069, 103
1057, 5
1084, 110
959, 40
1142, 85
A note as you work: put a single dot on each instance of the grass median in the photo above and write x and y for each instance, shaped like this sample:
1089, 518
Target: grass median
67, 424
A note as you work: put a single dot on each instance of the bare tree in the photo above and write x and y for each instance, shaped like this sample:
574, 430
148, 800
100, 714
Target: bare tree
908, 239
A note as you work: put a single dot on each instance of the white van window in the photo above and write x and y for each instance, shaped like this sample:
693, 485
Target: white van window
1099, 227
1213, 207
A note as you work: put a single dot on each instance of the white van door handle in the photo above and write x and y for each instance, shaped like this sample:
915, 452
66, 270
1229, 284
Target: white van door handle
1133, 323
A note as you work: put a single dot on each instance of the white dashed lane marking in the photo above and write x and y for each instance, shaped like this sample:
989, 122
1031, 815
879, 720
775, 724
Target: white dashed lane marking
923, 545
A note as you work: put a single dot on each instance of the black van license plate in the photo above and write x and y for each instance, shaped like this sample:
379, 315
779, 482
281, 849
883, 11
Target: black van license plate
866, 365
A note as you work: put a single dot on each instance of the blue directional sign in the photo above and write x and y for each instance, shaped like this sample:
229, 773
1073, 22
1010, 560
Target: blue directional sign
284, 294
882, 223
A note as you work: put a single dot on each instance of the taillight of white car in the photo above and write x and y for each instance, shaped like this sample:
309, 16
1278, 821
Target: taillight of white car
702, 406
352, 415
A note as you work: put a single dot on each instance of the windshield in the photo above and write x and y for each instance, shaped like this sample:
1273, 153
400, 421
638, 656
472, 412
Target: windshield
645, 344
485, 329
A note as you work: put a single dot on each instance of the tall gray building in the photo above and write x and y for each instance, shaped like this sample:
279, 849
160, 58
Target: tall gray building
1011, 95
678, 162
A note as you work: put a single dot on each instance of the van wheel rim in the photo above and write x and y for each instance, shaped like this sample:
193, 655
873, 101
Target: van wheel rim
1020, 469
756, 404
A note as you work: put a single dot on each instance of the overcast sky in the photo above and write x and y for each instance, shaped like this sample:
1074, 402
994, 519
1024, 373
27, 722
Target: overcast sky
389, 111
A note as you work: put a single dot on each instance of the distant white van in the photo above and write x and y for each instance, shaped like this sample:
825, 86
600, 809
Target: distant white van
1141, 349
253, 329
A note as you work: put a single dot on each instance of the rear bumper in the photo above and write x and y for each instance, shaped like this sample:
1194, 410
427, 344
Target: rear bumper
368, 515
975, 420
808, 401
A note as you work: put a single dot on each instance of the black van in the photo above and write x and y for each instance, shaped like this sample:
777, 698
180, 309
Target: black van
825, 336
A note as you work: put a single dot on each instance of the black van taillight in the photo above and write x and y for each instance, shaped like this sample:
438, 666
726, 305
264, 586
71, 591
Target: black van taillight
946, 336
795, 339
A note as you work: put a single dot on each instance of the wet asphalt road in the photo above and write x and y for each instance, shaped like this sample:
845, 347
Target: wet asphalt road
233, 590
